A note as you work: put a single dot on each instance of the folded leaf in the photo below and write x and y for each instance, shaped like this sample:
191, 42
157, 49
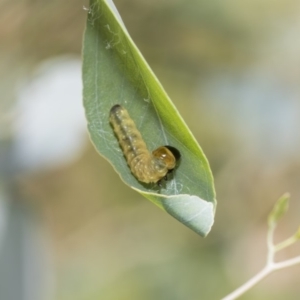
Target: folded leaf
115, 72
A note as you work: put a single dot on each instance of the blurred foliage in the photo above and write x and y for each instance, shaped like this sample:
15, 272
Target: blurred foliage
105, 247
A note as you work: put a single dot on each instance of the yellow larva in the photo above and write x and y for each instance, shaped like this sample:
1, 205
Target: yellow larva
146, 166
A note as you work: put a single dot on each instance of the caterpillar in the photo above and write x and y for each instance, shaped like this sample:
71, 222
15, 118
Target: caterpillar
147, 167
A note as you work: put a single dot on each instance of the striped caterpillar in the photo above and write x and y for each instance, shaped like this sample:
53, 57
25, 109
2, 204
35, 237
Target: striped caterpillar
145, 166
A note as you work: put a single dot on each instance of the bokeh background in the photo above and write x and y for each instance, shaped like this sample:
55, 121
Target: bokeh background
71, 230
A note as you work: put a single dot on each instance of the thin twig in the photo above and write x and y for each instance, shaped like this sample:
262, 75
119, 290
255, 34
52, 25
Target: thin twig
249, 284
287, 263
270, 266
288, 242
270, 244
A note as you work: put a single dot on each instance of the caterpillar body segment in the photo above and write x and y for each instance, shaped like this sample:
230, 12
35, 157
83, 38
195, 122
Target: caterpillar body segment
147, 167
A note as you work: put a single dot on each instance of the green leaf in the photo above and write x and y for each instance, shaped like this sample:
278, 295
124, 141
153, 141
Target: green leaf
115, 72
279, 209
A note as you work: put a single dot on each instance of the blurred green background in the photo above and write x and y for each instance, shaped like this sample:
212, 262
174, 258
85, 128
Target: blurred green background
70, 229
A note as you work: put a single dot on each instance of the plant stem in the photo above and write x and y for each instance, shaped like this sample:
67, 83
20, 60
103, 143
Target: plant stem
249, 284
286, 243
287, 263
271, 265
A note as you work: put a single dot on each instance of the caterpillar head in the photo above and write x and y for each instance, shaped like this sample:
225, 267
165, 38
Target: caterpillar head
168, 155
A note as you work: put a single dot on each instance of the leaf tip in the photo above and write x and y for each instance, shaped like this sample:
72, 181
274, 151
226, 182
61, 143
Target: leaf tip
279, 209
192, 211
